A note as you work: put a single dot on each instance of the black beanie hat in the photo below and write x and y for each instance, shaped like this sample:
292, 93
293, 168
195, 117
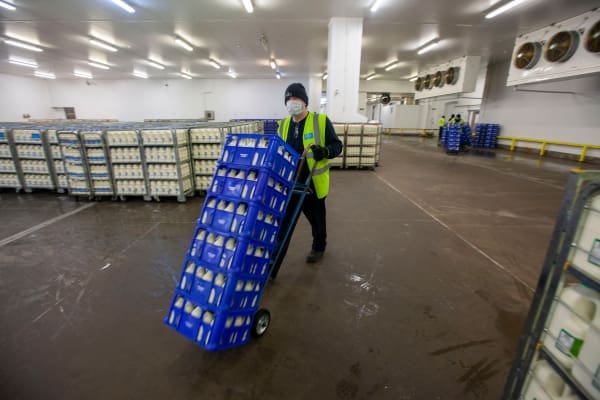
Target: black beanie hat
296, 90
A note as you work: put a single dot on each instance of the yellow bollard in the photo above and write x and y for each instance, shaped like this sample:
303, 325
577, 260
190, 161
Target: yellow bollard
543, 149
513, 144
583, 153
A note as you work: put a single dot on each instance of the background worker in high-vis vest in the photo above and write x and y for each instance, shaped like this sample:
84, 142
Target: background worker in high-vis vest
441, 124
302, 130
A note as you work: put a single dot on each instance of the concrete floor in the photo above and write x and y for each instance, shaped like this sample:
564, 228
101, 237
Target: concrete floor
422, 293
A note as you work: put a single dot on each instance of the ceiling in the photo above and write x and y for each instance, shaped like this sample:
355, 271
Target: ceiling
296, 34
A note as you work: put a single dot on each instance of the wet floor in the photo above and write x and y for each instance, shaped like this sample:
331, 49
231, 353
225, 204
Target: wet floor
421, 295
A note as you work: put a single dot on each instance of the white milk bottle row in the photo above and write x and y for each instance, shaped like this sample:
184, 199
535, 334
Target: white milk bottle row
164, 187
203, 182
123, 138
210, 151
128, 171
573, 334
27, 136
92, 139
125, 154
586, 249
204, 167
99, 171
135, 187
10, 180
165, 171
34, 166
33, 151
63, 181
95, 155
160, 154
71, 154
52, 136
59, 166
55, 151
5, 150
102, 185
38, 180
7, 166
157, 137
75, 170
206, 135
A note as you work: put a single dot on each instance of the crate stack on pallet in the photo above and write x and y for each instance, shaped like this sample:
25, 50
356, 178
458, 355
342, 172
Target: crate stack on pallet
127, 160
340, 130
227, 264
34, 159
9, 173
362, 145
452, 138
168, 162
486, 136
206, 149
98, 163
60, 173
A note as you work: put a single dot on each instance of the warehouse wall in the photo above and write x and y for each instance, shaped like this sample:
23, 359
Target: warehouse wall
555, 116
137, 99
19, 95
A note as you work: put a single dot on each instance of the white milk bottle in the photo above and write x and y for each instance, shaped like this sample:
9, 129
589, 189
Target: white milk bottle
586, 255
545, 383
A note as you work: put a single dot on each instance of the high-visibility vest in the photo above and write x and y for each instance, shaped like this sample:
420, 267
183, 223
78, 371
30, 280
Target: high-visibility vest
314, 133
442, 122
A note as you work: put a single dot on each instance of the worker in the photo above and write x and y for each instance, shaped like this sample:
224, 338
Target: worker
458, 120
442, 122
308, 130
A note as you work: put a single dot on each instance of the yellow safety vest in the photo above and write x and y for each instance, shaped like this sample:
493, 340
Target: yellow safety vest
314, 133
442, 122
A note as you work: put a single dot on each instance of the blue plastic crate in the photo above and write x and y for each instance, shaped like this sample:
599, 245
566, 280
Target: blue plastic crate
208, 329
239, 217
252, 184
229, 253
266, 151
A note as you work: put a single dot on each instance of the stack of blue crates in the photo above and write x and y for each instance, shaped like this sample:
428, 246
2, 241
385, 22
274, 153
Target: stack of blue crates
486, 136
465, 136
270, 126
452, 142
227, 264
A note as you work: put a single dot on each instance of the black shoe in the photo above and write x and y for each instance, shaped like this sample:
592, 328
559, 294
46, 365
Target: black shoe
314, 256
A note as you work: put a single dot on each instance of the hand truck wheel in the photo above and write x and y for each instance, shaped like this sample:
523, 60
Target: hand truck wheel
262, 319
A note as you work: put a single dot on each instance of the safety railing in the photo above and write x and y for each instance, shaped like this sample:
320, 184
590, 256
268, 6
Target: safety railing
400, 131
544, 143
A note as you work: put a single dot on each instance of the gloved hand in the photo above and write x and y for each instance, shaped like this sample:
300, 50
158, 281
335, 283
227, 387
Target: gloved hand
319, 152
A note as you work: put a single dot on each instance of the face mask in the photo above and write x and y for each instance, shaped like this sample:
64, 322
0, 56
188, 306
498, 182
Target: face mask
294, 107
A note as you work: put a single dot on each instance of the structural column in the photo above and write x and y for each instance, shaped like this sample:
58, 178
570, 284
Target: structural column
315, 88
343, 67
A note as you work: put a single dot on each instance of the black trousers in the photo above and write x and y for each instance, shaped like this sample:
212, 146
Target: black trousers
440, 134
314, 210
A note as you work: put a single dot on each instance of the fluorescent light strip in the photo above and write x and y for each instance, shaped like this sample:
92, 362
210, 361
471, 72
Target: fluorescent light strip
184, 75
155, 64
8, 6
23, 63
273, 63
214, 63
278, 75
232, 74
375, 6
140, 74
103, 45
98, 65
183, 43
248, 6
124, 6
22, 45
413, 78
504, 8
368, 78
392, 66
46, 75
325, 75
428, 47
81, 74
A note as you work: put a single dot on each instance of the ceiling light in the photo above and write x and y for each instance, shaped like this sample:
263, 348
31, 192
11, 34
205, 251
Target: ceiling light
370, 77
215, 64
22, 45
184, 75
124, 6
375, 6
140, 74
8, 6
392, 66
413, 78
273, 63
155, 64
278, 75
23, 63
98, 65
428, 47
248, 5
504, 8
46, 75
183, 43
81, 74
103, 45
232, 74
325, 76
